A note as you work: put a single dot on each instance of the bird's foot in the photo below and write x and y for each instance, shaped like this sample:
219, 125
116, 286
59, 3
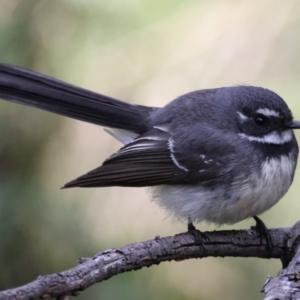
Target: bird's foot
199, 237
263, 232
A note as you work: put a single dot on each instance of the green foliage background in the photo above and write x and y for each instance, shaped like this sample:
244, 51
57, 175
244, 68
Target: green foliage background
145, 52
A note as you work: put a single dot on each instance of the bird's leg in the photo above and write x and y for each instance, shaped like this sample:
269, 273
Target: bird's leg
263, 232
198, 236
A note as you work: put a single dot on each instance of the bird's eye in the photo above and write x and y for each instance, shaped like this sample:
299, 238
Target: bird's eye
260, 120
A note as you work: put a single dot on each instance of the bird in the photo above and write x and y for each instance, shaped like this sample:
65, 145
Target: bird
217, 155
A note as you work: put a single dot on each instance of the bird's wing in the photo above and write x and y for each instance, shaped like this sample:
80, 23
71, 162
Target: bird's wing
155, 158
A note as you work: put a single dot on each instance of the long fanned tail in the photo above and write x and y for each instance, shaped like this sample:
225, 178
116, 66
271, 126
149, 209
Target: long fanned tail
30, 88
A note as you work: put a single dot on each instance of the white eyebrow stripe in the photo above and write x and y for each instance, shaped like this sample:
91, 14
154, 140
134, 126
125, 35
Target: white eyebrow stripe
242, 116
268, 112
272, 138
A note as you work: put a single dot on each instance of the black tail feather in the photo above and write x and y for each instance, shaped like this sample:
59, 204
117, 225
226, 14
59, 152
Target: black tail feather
30, 88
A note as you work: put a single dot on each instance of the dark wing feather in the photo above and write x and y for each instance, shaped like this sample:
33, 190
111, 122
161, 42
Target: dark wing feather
152, 159
144, 162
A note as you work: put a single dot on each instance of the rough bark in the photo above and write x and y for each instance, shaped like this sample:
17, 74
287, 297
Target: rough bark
286, 286
104, 265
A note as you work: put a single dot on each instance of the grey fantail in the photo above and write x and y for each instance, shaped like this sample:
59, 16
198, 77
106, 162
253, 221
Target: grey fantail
218, 155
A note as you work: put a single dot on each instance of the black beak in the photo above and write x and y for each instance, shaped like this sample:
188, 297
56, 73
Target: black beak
294, 125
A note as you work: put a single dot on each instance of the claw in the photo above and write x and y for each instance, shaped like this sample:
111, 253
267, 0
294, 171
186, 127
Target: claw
263, 232
199, 237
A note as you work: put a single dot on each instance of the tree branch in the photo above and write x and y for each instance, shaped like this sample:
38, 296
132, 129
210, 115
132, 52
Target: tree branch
287, 283
104, 265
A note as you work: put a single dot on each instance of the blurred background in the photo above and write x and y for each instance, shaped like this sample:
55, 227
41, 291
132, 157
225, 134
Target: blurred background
146, 52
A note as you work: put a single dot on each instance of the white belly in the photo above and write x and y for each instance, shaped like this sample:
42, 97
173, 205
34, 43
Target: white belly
245, 199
